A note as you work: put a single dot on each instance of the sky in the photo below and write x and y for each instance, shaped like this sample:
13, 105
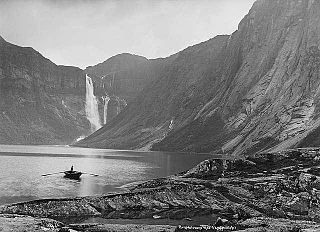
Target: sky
86, 32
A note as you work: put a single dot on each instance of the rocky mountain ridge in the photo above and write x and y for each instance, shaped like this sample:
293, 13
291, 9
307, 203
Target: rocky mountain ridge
41, 102
119, 78
44, 103
254, 90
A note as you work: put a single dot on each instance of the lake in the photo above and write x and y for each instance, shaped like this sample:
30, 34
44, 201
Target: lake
21, 169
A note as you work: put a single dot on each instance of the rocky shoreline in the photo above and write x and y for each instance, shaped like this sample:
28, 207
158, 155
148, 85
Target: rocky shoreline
265, 192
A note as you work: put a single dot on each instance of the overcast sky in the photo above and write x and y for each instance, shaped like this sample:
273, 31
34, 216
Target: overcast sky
87, 32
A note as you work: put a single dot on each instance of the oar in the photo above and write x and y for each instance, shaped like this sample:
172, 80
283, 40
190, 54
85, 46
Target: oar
48, 174
90, 174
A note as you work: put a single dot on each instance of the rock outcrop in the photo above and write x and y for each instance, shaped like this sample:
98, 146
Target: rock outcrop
40, 102
254, 90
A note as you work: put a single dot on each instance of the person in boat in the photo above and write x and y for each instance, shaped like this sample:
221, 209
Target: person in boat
71, 168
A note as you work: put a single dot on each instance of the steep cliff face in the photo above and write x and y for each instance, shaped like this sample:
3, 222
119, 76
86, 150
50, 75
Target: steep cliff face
120, 75
257, 89
41, 103
121, 78
176, 93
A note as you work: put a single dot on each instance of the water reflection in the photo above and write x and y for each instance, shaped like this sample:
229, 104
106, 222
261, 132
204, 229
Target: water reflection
21, 168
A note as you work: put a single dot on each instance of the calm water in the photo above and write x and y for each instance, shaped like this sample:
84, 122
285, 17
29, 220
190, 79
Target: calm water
21, 168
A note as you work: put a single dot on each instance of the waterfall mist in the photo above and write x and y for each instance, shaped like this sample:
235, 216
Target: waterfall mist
92, 112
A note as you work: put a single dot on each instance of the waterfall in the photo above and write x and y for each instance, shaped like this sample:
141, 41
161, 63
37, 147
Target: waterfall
64, 104
171, 125
92, 112
105, 108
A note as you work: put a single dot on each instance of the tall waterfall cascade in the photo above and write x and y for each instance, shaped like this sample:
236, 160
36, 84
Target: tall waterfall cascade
105, 108
92, 112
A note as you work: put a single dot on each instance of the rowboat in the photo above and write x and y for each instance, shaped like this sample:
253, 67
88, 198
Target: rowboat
72, 174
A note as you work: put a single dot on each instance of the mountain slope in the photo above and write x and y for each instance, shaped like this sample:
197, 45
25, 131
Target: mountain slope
119, 79
120, 75
40, 102
148, 117
116, 63
256, 89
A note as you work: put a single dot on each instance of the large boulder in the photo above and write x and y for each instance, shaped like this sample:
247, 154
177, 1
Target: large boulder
206, 169
307, 182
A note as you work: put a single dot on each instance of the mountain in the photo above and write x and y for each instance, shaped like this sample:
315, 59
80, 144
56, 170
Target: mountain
116, 63
254, 90
121, 78
120, 75
40, 102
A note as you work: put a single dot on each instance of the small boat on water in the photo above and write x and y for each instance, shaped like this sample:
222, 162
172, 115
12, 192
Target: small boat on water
72, 174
